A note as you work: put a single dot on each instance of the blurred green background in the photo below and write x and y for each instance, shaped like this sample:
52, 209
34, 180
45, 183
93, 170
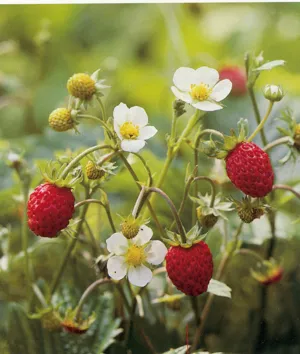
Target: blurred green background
138, 47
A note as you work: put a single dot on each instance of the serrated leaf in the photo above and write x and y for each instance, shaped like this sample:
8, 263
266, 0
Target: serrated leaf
270, 65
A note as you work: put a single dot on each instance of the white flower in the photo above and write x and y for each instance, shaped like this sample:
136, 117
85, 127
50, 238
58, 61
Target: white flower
130, 124
132, 256
200, 87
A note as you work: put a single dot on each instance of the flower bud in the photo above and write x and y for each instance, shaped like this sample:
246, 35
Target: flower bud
273, 93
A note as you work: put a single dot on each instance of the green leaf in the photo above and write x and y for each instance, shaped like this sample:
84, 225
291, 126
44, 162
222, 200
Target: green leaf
270, 65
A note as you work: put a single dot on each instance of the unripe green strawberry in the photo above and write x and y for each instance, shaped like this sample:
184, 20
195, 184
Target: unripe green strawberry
81, 86
207, 221
93, 171
190, 269
130, 227
61, 120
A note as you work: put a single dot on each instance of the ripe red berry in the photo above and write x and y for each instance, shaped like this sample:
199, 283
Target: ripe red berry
249, 169
49, 209
238, 78
190, 269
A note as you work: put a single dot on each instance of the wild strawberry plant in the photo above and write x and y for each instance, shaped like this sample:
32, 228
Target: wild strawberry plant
143, 248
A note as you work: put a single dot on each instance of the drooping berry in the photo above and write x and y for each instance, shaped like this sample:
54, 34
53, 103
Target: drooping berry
93, 171
50, 209
81, 86
61, 120
238, 78
190, 269
249, 169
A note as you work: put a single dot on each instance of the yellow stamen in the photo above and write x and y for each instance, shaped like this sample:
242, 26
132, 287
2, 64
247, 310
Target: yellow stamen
200, 92
129, 131
135, 255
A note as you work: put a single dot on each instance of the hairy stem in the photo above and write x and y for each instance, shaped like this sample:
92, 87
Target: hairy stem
87, 292
280, 141
286, 188
173, 209
262, 123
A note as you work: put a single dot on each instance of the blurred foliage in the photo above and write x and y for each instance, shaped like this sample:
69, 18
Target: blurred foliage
138, 47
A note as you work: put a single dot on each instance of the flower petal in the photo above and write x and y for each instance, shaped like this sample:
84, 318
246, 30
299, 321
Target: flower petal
117, 243
138, 116
156, 252
116, 267
207, 75
120, 114
132, 145
207, 106
147, 133
221, 90
139, 276
184, 96
143, 236
183, 78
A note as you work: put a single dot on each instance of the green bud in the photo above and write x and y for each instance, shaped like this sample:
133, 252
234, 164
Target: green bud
178, 106
273, 93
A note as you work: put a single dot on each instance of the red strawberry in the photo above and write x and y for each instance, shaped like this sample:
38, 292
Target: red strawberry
250, 170
49, 209
190, 269
238, 78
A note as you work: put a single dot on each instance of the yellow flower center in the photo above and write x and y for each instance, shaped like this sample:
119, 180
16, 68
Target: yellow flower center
135, 255
200, 92
129, 131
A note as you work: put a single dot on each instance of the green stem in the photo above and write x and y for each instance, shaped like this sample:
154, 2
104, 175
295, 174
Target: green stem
87, 292
135, 177
172, 152
147, 168
190, 181
173, 209
102, 107
99, 120
25, 191
105, 206
283, 140
251, 253
125, 300
208, 303
68, 252
286, 188
81, 156
262, 123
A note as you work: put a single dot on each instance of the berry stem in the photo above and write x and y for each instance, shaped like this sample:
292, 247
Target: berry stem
190, 181
262, 123
287, 188
173, 209
250, 85
139, 202
222, 266
99, 120
69, 250
135, 177
173, 150
283, 140
81, 156
246, 251
87, 292
103, 111
105, 206
147, 168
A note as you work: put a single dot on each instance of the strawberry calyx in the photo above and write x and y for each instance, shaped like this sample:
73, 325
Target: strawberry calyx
192, 237
220, 150
53, 171
77, 325
250, 209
